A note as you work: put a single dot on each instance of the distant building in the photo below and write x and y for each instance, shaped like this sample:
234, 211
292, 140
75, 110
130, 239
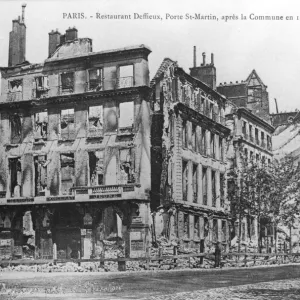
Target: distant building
251, 93
188, 155
74, 148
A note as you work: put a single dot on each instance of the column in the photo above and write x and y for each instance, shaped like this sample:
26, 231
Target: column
199, 184
218, 192
209, 187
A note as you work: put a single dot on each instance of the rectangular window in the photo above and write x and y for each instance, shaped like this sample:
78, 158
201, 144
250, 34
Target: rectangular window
125, 76
126, 117
96, 168
194, 137
95, 121
212, 145
40, 172
126, 166
224, 235
41, 87
15, 90
16, 128
262, 139
184, 134
15, 168
203, 142
211, 110
186, 229
196, 227
67, 171
95, 80
244, 129
67, 82
221, 149
204, 185
246, 154
256, 136
40, 125
213, 183
184, 180
222, 190
67, 126
215, 231
251, 133
195, 184
243, 232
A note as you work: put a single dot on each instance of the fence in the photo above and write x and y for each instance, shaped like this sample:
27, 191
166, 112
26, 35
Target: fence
233, 259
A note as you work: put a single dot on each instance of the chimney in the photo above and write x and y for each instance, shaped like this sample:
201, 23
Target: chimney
195, 57
212, 59
17, 41
71, 34
54, 41
206, 72
203, 56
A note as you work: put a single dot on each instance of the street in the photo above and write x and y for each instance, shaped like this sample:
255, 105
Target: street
167, 285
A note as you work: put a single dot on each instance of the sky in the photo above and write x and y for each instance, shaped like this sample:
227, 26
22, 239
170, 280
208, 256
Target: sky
272, 48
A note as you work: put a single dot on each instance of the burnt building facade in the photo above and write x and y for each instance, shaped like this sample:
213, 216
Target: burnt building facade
188, 153
74, 148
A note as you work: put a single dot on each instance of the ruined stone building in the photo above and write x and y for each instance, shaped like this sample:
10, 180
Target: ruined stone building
74, 148
188, 149
250, 93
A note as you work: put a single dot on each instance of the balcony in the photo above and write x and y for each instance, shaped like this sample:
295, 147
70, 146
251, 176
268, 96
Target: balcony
14, 96
95, 133
39, 93
94, 85
124, 82
65, 89
125, 130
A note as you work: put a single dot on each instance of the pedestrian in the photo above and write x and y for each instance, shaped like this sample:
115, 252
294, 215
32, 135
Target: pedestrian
218, 251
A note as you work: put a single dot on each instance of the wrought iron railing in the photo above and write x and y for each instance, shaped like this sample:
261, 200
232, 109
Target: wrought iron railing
38, 93
94, 132
124, 82
125, 130
15, 96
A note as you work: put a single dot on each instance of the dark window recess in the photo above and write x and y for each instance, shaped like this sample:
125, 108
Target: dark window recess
215, 231
213, 183
16, 128
67, 124
184, 180
95, 80
204, 185
40, 87
194, 138
222, 192
195, 184
212, 145
186, 229
67, 82
41, 125
15, 177
196, 227
184, 134
40, 168
67, 170
126, 167
224, 235
206, 228
96, 168
203, 142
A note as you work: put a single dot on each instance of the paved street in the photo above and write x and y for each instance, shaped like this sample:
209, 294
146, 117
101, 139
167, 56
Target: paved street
179, 284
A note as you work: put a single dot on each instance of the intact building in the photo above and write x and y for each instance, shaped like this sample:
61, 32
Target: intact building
188, 150
74, 148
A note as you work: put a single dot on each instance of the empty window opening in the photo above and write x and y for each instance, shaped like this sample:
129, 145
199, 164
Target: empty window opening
67, 170
126, 114
186, 229
67, 124
41, 124
222, 190
204, 185
16, 86
213, 183
195, 184
126, 166
224, 235
212, 145
96, 119
194, 137
67, 82
196, 227
15, 177
40, 87
215, 231
40, 168
96, 168
184, 180
203, 142
125, 76
16, 128
95, 82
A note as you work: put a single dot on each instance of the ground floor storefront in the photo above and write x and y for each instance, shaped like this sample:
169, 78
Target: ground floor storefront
73, 230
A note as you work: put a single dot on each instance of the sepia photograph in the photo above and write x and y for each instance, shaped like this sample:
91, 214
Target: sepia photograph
149, 150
